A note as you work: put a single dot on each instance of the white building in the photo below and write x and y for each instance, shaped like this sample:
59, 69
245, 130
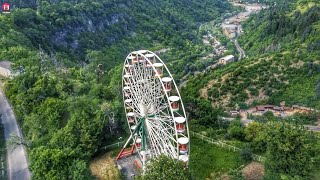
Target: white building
227, 59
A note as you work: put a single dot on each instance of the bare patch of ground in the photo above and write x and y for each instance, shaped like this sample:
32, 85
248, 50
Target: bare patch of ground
253, 171
261, 96
299, 64
204, 91
104, 167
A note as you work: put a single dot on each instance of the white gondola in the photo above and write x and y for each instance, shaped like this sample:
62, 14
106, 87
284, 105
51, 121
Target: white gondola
130, 117
167, 83
151, 58
180, 124
183, 145
174, 102
159, 69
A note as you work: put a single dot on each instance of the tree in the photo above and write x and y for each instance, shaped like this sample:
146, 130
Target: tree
236, 129
255, 133
288, 151
246, 155
57, 164
318, 89
163, 167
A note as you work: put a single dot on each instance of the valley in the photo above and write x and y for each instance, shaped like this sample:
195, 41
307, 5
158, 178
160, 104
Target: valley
228, 27
248, 76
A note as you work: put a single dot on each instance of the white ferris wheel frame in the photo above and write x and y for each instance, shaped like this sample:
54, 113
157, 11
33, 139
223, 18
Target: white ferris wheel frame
174, 153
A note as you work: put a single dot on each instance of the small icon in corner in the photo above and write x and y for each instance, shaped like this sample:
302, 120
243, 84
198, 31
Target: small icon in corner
5, 7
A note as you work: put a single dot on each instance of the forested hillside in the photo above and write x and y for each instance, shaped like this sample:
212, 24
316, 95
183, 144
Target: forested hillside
60, 98
283, 65
282, 44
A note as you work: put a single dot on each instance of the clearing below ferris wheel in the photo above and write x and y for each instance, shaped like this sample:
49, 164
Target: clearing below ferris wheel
154, 109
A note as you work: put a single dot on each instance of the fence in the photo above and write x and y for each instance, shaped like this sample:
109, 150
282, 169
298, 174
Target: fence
112, 146
224, 145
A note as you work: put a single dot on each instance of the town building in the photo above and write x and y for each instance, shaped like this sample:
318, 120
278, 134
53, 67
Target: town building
227, 59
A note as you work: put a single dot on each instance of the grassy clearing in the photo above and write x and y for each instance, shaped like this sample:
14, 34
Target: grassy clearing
209, 161
316, 175
304, 7
3, 168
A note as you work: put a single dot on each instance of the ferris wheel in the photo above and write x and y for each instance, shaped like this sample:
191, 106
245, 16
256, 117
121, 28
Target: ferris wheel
154, 109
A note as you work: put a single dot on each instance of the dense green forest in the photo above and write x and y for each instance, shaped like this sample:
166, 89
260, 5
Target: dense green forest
60, 100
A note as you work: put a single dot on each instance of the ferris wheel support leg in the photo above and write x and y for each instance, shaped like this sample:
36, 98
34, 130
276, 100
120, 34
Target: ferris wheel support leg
144, 146
124, 147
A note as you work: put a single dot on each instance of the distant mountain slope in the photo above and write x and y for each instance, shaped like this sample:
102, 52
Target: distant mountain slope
82, 25
103, 32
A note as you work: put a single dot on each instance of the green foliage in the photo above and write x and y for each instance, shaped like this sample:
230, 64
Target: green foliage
246, 155
255, 134
236, 129
304, 118
164, 167
288, 150
235, 174
210, 161
57, 164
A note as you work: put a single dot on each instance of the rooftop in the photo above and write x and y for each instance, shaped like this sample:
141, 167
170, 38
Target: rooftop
228, 57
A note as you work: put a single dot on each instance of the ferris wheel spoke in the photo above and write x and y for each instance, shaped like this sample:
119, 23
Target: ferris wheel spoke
160, 128
134, 94
162, 105
155, 143
165, 142
168, 123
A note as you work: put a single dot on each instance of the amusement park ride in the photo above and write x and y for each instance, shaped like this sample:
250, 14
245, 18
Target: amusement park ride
154, 109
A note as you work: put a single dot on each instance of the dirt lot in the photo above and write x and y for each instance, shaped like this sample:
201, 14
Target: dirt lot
253, 171
104, 167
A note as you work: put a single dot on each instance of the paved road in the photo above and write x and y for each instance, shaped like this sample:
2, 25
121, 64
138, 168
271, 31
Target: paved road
241, 51
17, 166
312, 128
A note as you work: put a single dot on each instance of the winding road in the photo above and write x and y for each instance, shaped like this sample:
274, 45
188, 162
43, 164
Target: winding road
242, 54
17, 164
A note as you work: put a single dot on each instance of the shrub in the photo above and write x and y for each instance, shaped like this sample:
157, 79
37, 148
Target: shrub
246, 155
